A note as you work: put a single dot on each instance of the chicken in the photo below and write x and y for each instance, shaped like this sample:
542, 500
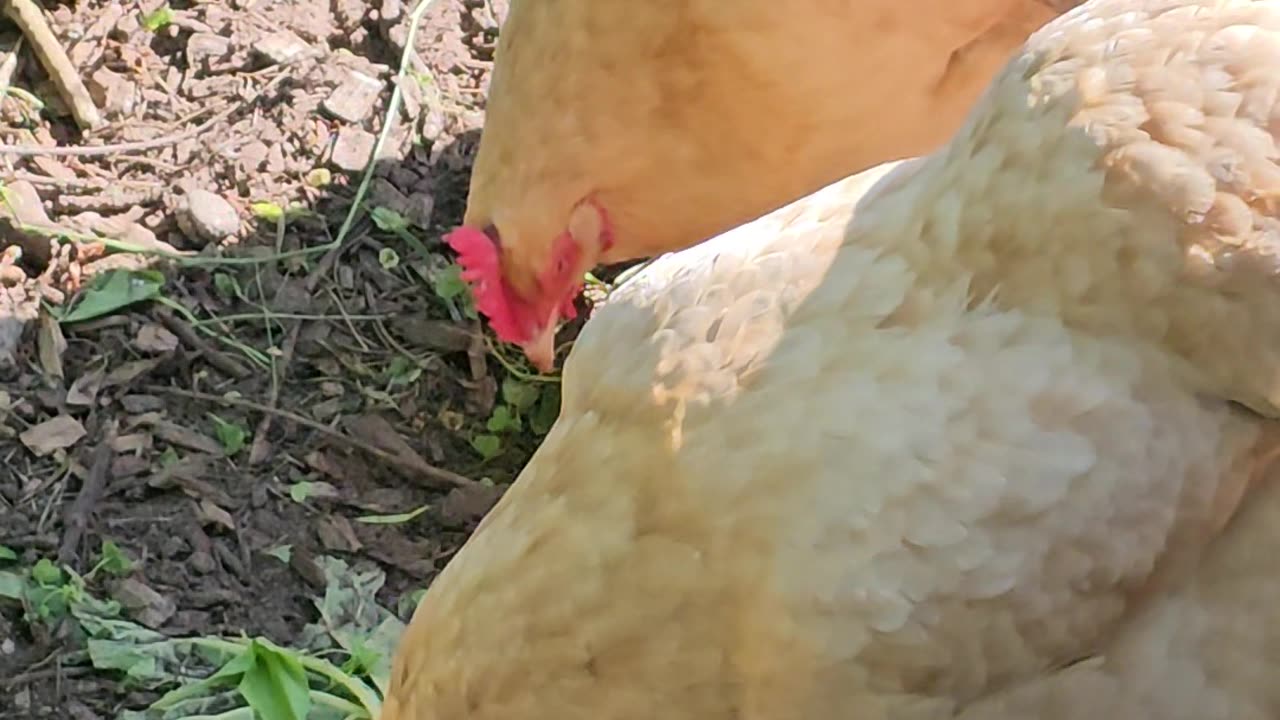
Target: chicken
613, 128
1204, 651
910, 446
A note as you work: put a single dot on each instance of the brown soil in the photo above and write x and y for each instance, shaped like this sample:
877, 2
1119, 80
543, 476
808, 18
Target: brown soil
340, 368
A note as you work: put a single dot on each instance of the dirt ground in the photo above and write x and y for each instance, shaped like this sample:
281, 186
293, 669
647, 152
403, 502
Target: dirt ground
250, 415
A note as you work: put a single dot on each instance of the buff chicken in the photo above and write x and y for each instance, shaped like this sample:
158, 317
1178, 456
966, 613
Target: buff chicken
976, 435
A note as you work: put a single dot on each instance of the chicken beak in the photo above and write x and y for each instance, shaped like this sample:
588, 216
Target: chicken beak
541, 349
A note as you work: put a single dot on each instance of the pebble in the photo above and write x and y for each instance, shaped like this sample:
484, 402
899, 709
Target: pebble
207, 217
351, 149
280, 47
354, 98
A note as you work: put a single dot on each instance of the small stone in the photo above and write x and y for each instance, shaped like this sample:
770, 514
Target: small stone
207, 217
354, 98
22, 199
385, 195
207, 48
390, 11
112, 92
252, 156
280, 47
421, 207
351, 149
147, 606
174, 546
202, 562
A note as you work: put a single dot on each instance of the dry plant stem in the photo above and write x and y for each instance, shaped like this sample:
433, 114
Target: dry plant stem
77, 517
428, 474
192, 339
30, 19
261, 450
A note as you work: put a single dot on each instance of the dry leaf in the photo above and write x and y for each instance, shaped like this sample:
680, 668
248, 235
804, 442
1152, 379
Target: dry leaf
335, 533
84, 391
51, 344
57, 434
186, 437
130, 371
155, 338
210, 513
132, 443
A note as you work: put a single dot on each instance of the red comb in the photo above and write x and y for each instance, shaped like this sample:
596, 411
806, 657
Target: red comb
481, 267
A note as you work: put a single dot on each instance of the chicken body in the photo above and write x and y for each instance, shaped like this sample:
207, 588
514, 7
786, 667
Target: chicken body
910, 446
1203, 651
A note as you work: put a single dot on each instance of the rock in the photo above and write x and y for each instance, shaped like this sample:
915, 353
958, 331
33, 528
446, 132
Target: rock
391, 11
112, 92
23, 201
421, 207
147, 606
351, 149
385, 195
205, 49
280, 47
207, 217
354, 98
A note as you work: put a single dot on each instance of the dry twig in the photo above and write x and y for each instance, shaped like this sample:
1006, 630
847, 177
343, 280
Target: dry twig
28, 16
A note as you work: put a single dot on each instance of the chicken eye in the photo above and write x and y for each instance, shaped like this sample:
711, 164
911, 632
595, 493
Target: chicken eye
491, 232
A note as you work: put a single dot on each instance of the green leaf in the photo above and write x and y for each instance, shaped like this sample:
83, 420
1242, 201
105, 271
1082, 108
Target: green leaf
388, 220
488, 446
230, 435
113, 291
269, 211
114, 560
319, 177
395, 519
226, 285
389, 259
305, 490
7, 553
300, 491
448, 283
522, 395
351, 616
46, 572
283, 553
503, 420
406, 604
403, 371
169, 457
548, 409
158, 18
233, 670
276, 685
12, 585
